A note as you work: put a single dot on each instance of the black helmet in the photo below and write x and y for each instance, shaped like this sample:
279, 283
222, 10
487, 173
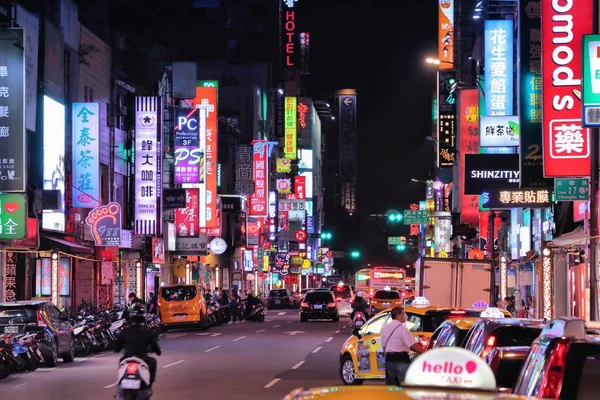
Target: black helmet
137, 313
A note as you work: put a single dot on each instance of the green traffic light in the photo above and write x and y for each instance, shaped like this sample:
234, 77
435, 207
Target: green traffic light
355, 254
401, 247
326, 235
395, 217
451, 81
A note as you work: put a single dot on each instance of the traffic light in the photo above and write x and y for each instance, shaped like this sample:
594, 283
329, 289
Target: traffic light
326, 235
401, 247
355, 254
395, 218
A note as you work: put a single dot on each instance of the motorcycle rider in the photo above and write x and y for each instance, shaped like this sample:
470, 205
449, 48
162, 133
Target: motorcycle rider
360, 304
136, 339
251, 302
133, 300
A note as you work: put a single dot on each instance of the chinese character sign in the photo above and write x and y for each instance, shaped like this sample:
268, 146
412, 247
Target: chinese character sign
446, 33
147, 165
105, 224
446, 154
498, 42
13, 216
186, 219
468, 125
258, 201
443, 231
13, 175
10, 277
86, 150
566, 148
244, 170
521, 198
208, 104
499, 131
300, 187
290, 129
188, 154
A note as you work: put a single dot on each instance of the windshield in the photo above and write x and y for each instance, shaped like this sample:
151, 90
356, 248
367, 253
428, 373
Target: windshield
178, 293
386, 295
515, 336
428, 322
18, 315
342, 294
278, 293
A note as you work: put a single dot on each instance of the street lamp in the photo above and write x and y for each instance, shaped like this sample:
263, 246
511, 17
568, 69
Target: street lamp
436, 61
418, 180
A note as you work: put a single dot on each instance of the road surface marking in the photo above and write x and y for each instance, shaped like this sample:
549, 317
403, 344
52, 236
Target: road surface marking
329, 340
262, 330
100, 355
281, 313
173, 364
238, 339
273, 382
276, 326
344, 327
317, 349
203, 334
215, 334
111, 385
298, 365
22, 384
267, 320
211, 349
337, 331
289, 322
44, 369
176, 336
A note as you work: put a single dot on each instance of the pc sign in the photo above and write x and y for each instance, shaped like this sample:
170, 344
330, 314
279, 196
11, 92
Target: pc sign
188, 152
591, 80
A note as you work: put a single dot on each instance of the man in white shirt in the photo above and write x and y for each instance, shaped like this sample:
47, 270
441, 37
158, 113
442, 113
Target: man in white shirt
397, 341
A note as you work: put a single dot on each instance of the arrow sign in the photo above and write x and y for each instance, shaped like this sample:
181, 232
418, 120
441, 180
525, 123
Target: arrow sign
347, 101
292, 333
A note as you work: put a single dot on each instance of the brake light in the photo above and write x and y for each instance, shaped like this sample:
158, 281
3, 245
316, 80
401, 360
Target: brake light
422, 340
489, 345
331, 305
40, 320
553, 379
132, 368
339, 299
304, 304
458, 312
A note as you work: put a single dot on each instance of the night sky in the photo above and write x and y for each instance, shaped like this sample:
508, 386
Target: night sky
379, 47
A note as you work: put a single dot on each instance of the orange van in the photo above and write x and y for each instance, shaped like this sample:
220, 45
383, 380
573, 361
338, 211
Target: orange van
182, 305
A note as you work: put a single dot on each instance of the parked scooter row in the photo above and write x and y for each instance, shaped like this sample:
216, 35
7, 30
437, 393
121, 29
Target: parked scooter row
19, 352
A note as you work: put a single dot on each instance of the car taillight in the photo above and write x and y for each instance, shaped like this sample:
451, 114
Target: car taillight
304, 304
40, 321
331, 305
339, 299
553, 379
422, 340
457, 312
132, 368
489, 345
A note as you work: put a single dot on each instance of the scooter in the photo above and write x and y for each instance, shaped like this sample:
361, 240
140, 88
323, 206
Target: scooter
256, 314
133, 380
359, 320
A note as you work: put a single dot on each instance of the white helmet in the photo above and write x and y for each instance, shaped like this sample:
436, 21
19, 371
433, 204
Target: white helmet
360, 293
249, 293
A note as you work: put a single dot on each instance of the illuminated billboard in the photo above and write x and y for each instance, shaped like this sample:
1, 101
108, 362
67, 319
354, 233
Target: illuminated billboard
54, 161
498, 80
290, 131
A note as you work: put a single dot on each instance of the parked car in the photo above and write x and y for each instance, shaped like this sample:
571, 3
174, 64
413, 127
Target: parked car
451, 333
55, 332
506, 363
319, 305
279, 298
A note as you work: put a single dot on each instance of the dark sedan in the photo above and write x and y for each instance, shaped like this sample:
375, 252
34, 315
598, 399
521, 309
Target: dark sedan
319, 305
279, 298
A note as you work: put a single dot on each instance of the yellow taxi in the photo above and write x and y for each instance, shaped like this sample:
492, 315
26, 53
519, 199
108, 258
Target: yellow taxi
451, 333
448, 373
383, 299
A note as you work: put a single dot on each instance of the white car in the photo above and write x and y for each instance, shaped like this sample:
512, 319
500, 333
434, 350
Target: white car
344, 295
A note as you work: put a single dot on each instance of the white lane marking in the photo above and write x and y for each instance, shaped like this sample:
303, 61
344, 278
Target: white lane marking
22, 384
44, 369
344, 327
262, 330
289, 322
111, 385
203, 334
329, 340
337, 331
281, 313
211, 349
176, 336
298, 365
267, 320
240, 338
276, 326
273, 382
100, 355
317, 349
215, 334
173, 364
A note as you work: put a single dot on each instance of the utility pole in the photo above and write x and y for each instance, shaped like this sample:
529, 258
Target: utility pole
594, 225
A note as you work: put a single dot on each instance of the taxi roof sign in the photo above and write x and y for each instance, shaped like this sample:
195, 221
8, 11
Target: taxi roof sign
420, 302
480, 305
492, 312
452, 367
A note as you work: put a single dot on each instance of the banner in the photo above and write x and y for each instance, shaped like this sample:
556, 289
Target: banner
498, 78
31, 25
566, 143
86, 141
148, 157
186, 139
105, 224
468, 124
446, 154
291, 129
186, 219
300, 187
530, 107
258, 201
446, 34
13, 141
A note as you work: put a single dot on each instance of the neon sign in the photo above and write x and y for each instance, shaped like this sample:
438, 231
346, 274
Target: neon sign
289, 32
388, 275
302, 109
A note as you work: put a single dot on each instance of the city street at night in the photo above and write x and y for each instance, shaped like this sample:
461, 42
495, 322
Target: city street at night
235, 361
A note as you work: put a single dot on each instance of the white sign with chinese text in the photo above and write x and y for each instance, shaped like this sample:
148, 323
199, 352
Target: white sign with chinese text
569, 139
443, 231
86, 151
147, 162
499, 131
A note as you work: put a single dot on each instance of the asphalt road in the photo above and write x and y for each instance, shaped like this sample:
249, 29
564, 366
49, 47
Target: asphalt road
243, 361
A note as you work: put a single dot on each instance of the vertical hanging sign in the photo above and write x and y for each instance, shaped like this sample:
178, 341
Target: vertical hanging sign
186, 219
13, 173
498, 42
290, 138
446, 153
187, 146
446, 34
147, 166
85, 142
259, 200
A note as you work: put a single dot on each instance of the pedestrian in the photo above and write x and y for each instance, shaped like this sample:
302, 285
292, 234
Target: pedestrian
233, 308
397, 341
152, 304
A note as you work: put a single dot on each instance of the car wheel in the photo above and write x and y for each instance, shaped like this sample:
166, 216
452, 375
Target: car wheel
336, 319
303, 318
347, 372
69, 356
52, 359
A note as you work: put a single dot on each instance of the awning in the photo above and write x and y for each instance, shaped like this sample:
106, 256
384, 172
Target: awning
71, 245
576, 237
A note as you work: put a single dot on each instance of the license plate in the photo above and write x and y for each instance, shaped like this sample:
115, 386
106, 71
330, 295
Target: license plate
130, 384
358, 323
318, 307
180, 317
386, 304
11, 329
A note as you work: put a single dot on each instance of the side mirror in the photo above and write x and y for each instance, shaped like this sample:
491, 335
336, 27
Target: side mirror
356, 332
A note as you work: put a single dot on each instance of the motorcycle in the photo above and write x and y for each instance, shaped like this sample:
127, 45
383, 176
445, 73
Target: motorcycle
16, 352
34, 355
359, 320
133, 380
257, 313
